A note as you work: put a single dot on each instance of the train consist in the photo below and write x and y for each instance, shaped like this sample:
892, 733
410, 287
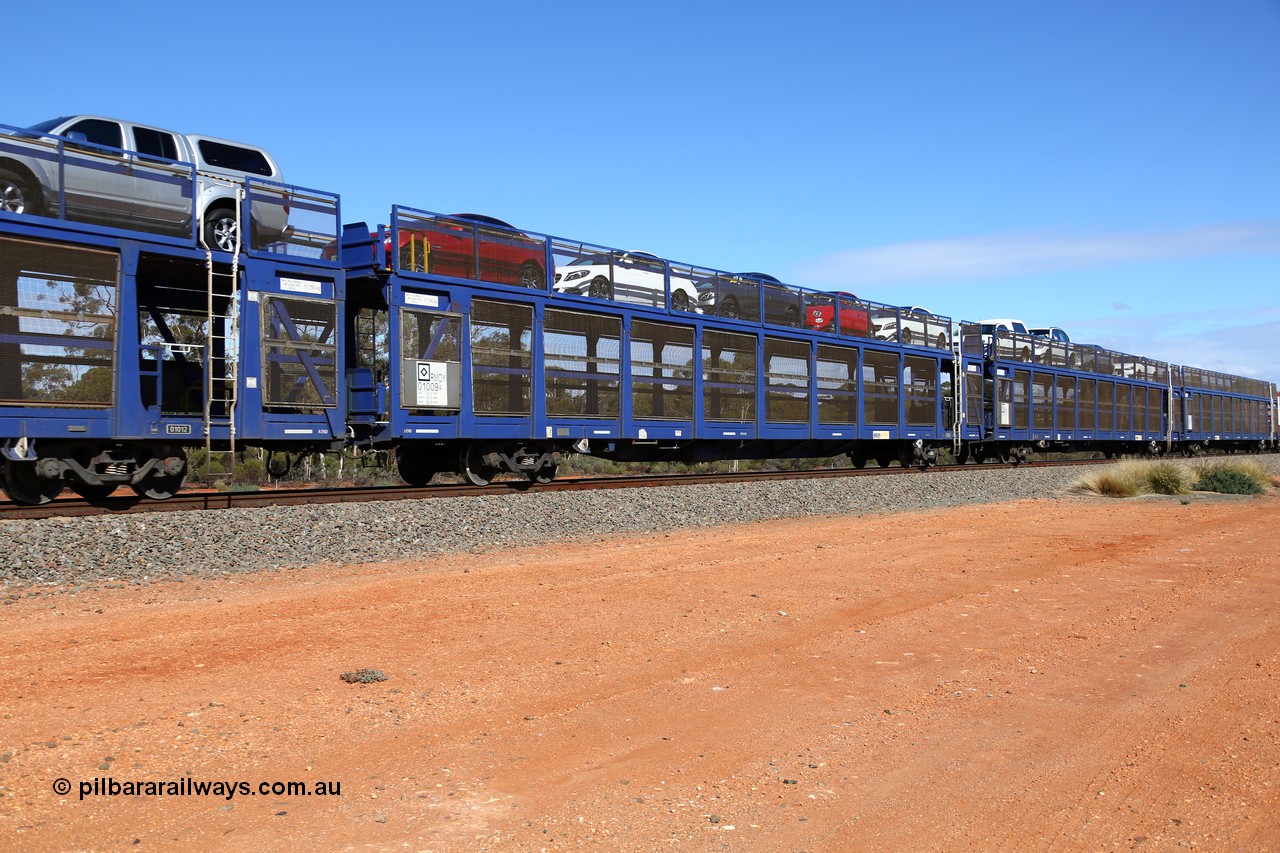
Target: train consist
464, 345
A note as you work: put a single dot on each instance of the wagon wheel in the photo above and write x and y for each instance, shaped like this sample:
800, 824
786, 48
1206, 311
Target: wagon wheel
543, 475
25, 486
472, 466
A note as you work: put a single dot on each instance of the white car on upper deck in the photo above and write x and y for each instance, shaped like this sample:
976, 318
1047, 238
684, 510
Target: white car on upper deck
637, 277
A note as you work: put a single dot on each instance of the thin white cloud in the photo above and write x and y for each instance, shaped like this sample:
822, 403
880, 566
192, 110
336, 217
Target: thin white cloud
1009, 255
1239, 341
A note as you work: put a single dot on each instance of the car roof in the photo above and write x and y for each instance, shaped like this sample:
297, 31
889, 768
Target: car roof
487, 220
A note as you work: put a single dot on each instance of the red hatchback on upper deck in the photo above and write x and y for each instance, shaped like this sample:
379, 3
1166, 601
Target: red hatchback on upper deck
820, 314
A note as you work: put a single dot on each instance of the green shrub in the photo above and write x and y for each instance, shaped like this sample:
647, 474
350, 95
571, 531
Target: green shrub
249, 470
1227, 479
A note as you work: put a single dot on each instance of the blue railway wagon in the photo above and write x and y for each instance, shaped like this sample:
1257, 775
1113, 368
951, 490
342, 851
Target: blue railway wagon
1050, 396
121, 350
482, 376
1218, 410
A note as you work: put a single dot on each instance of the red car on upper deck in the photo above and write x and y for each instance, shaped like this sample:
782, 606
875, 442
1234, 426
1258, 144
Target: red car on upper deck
465, 245
820, 314
472, 246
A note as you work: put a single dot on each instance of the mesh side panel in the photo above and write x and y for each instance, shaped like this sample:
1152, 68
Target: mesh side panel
1106, 406
880, 387
501, 358
298, 347
1021, 399
1042, 402
57, 323
837, 382
1124, 408
662, 368
973, 400
582, 363
1087, 394
920, 383
464, 248
786, 380
729, 384
437, 340
1066, 400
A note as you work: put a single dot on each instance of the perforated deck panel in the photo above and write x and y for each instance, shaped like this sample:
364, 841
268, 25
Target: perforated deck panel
57, 323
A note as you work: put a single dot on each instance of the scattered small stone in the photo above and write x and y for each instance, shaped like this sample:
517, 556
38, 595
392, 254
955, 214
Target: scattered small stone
102, 550
789, 782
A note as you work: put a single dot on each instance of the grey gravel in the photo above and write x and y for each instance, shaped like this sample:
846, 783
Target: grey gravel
138, 549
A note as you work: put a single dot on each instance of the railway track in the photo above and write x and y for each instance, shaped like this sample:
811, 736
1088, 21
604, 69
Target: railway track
120, 503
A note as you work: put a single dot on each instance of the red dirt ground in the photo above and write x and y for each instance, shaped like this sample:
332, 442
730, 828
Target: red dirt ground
1063, 675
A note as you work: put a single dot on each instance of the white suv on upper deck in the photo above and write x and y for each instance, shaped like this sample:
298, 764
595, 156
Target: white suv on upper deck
114, 172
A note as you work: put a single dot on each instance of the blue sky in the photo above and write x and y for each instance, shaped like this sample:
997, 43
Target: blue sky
1111, 168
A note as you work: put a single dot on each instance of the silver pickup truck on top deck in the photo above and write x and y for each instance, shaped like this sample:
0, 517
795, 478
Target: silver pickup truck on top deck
121, 173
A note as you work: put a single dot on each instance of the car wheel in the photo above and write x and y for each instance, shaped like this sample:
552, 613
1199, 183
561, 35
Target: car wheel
601, 288
411, 261
730, 309
16, 195
530, 276
221, 230
792, 317
680, 300
942, 341
1024, 355
907, 337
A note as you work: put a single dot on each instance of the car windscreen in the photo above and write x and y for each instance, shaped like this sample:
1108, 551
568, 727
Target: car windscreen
46, 126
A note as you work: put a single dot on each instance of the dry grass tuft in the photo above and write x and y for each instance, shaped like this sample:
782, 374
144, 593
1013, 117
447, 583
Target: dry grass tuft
1125, 480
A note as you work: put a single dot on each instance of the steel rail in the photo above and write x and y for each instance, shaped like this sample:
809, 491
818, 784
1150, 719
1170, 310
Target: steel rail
119, 504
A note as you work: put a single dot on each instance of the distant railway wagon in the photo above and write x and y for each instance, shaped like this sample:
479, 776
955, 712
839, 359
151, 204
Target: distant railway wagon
461, 344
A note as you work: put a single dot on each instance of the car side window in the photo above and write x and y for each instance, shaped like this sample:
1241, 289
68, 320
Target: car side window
98, 132
155, 143
223, 156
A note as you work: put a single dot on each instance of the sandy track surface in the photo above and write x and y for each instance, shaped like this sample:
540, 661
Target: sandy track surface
1052, 675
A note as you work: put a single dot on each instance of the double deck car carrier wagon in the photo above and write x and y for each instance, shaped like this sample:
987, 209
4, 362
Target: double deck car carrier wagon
462, 344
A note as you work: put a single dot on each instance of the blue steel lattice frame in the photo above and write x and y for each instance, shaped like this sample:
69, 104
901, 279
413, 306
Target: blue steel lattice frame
451, 294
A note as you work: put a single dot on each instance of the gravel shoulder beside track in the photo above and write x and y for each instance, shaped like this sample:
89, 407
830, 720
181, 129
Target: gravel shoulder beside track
161, 546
